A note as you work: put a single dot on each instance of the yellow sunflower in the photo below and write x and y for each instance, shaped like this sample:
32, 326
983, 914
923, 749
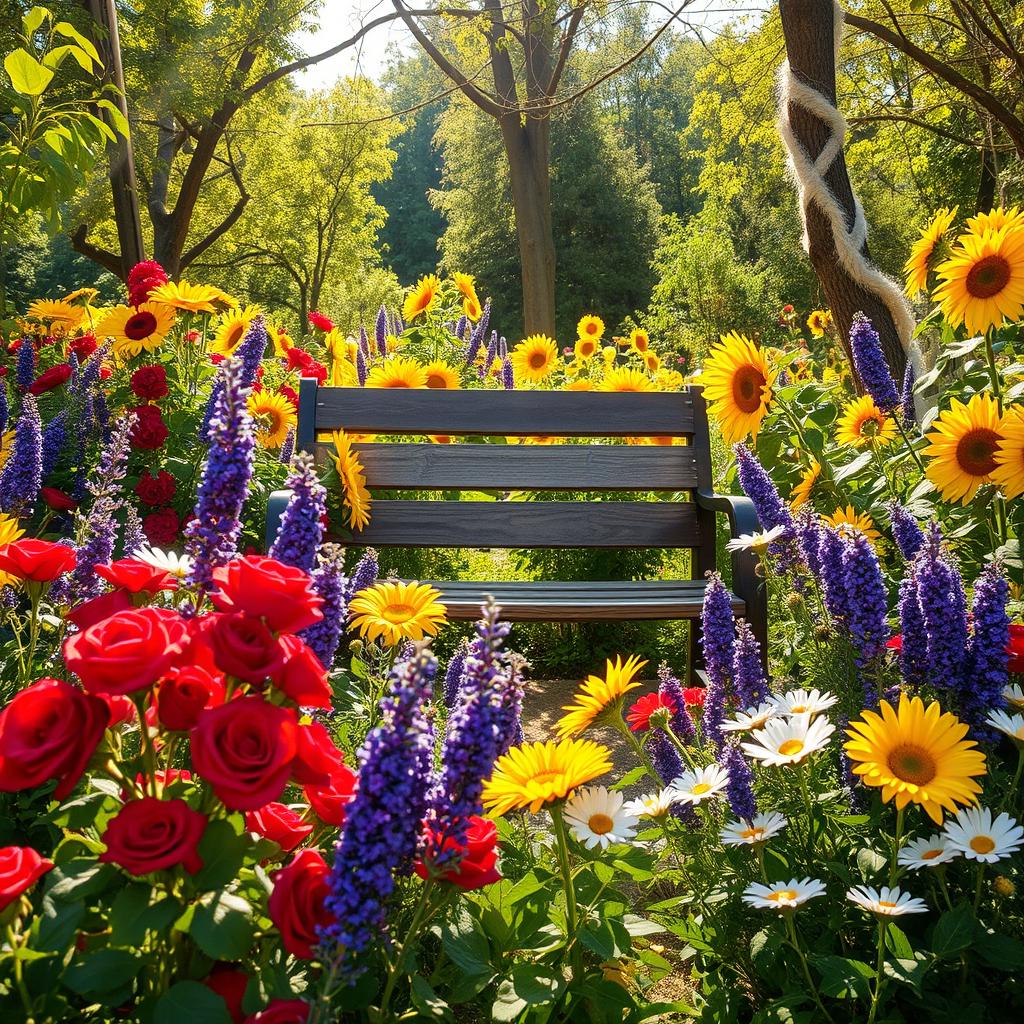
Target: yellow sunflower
849, 520
1009, 457
353, 480
440, 375
639, 340
802, 492
738, 379
916, 754
652, 361
580, 385
6, 443
925, 250
534, 774
230, 329
472, 309
585, 348
397, 372
10, 531
964, 442
597, 695
274, 416
194, 298
421, 298
83, 296
669, 380
136, 329
282, 341
982, 283
397, 611
862, 423
534, 358
625, 378
995, 219
60, 314
819, 321
590, 328
466, 283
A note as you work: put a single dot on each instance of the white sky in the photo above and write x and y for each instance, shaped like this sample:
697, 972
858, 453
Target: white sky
340, 19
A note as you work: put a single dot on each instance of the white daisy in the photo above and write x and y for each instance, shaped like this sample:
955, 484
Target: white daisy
1014, 696
789, 740
598, 817
978, 837
1012, 725
752, 833
927, 853
175, 564
888, 902
783, 895
756, 542
752, 718
803, 702
694, 787
652, 805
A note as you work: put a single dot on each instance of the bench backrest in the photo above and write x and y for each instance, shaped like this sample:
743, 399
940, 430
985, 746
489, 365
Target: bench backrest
533, 467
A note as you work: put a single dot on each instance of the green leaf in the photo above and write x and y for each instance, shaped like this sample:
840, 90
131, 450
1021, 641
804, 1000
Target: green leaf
898, 943
222, 926
102, 971
954, 931
27, 75
527, 985
78, 878
465, 944
606, 938
841, 976
222, 850
190, 1001
909, 970
57, 924
852, 468
34, 19
427, 1001
999, 951
68, 31
139, 909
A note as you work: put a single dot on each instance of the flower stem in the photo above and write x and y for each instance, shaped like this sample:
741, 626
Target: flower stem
794, 941
395, 967
910, 447
879, 970
571, 912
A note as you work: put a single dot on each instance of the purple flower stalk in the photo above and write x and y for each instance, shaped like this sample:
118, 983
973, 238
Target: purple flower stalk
25, 369
54, 436
868, 600
301, 530
869, 361
913, 639
211, 539
287, 447
508, 376
671, 690
361, 368
740, 788
940, 594
364, 342
718, 634
987, 657
833, 574
329, 582
907, 397
489, 355
908, 535
22, 475
380, 332
747, 671
476, 337
808, 537
453, 677
461, 326
134, 535
5, 412
365, 575
664, 756
771, 510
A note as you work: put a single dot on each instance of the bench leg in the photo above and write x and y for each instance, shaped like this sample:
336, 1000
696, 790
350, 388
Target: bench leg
276, 504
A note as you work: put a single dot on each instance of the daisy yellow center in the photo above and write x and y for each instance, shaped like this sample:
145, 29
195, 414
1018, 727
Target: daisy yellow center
982, 844
911, 763
988, 277
398, 612
798, 709
600, 824
747, 383
791, 747
537, 360
975, 452
752, 833
781, 894
886, 904
701, 787
930, 854
140, 326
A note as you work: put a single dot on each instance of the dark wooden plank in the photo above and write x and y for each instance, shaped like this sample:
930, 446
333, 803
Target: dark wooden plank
305, 431
531, 524
550, 413
580, 467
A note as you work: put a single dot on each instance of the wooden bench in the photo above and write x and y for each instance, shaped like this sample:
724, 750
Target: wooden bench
421, 466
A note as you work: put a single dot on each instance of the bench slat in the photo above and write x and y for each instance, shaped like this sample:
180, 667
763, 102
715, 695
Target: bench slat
531, 524
557, 413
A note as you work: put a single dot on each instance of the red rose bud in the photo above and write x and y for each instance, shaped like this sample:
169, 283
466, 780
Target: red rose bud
149, 430
163, 778
329, 801
154, 835
136, 576
155, 490
192, 337
99, 608
20, 868
57, 499
39, 561
266, 588
230, 984
243, 647
106, 373
184, 694
50, 379
122, 709
303, 678
290, 393
477, 865
150, 383
244, 749
314, 369
282, 1011
296, 906
279, 824
161, 528
320, 322
127, 652
49, 731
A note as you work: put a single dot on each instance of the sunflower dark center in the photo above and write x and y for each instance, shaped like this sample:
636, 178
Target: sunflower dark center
975, 452
911, 763
235, 333
988, 277
747, 383
538, 360
436, 380
139, 326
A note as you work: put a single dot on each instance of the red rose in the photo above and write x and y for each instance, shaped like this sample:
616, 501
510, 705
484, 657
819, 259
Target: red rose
243, 647
163, 779
83, 346
149, 430
127, 652
121, 708
282, 1011
56, 499
155, 490
49, 731
320, 322
161, 528
20, 868
314, 369
478, 866
268, 589
143, 278
153, 835
316, 756
303, 678
244, 749
150, 383
1015, 648
279, 824
290, 393
694, 696
296, 906
184, 694
99, 608
39, 561
298, 358
230, 984
329, 802
49, 379
136, 576
639, 716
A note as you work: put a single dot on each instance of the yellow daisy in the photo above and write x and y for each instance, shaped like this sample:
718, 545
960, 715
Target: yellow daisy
596, 695
1009, 457
274, 416
421, 298
982, 283
802, 492
534, 774
819, 321
652, 361
639, 340
353, 480
397, 611
862, 423
194, 298
83, 296
738, 379
534, 358
136, 330
590, 328
849, 520
585, 348
925, 249
964, 442
625, 378
397, 372
916, 754
440, 375
230, 328
466, 283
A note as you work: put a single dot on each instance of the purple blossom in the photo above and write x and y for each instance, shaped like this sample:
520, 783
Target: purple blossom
913, 639
508, 376
22, 474
301, 530
384, 819
671, 690
502, 348
740, 788
364, 342
718, 634
54, 436
833, 575
380, 332
476, 337
25, 369
748, 678
329, 582
489, 356
461, 325
907, 397
771, 510
453, 677
287, 447
908, 535
365, 575
987, 657
869, 361
361, 368
808, 536
246, 359
5, 411
940, 594
664, 756
134, 535
867, 599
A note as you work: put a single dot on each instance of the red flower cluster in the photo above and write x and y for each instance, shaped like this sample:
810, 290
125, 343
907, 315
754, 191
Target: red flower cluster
155, 490
299, 359
639, 716
83, 346
149, 431
320, 322
142, 279
150, 383
50, 379
296, 905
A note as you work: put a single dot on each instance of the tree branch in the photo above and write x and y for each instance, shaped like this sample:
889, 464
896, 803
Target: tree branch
104, 257
227, 223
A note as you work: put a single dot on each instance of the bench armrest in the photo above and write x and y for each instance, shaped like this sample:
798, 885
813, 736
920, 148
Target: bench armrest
276, 504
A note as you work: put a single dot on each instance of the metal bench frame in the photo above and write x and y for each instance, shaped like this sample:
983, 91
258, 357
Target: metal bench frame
543, 524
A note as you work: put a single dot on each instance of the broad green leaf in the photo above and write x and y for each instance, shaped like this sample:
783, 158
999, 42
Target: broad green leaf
68, 31
222, 926
222, 850
954, 931
466, 945
841, 976
427, 1001
27, 75
139, 909
34, 19
192, 1002
102, 971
